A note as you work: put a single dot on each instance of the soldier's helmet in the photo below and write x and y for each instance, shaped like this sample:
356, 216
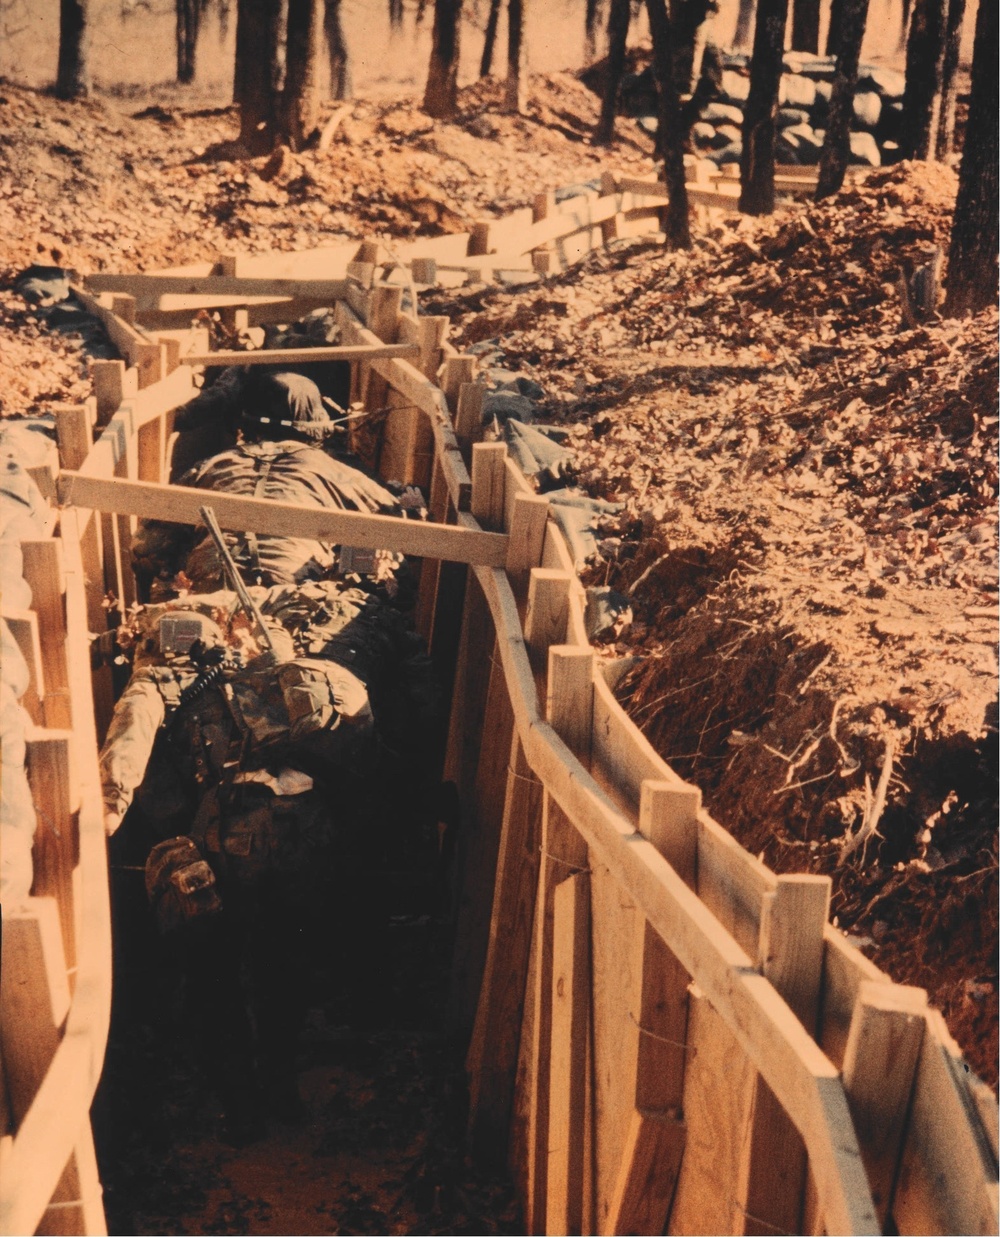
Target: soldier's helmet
280, 406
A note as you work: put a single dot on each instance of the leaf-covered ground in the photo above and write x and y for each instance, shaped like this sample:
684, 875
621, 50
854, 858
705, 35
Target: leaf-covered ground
809, 546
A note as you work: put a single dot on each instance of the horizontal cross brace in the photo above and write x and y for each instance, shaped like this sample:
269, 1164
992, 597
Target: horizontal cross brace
180, 505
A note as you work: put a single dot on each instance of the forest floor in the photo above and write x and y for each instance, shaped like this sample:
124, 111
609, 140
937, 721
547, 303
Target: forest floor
808, 540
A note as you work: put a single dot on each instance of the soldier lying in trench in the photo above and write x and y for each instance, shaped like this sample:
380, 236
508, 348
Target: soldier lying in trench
258, 774
283, 427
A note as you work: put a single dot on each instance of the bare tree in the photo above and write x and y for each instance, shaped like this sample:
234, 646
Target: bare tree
669, 135
441, 93
300, 99
972, 257
73, 74
490, 39
805, 25
257, 80
757, 161
743, 38
516, 87
187, 28
925, 51
592, 20
395, 15
618, 23
949, 81
341, 86
837, 143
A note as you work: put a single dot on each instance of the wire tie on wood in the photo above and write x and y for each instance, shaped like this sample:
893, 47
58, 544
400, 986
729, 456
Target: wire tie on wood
663, 1039
546, 854
771, 1228
512, 772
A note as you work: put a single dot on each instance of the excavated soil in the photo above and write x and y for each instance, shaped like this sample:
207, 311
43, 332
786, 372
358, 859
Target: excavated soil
807, 543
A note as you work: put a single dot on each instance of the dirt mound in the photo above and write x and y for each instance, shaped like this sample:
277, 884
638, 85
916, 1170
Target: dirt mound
808, 542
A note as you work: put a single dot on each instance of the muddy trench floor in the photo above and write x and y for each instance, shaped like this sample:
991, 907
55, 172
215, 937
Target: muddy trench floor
378, 1146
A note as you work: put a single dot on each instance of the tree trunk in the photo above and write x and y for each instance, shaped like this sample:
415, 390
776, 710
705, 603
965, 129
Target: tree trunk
669, 135
687, 21
743, 37
949, 82
837, 143
834, 31
441, 94
757, 161
516, 88
341, 86
972, 258
805, 25
491, 38
591, 22
258, 72
73, 74
188, 22
395, 15
618, 23
924, 70
300, 100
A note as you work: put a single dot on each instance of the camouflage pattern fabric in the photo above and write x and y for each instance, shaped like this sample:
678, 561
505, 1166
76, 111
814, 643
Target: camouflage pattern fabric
282, 471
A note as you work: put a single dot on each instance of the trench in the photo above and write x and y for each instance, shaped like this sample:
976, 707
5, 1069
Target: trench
376, 1138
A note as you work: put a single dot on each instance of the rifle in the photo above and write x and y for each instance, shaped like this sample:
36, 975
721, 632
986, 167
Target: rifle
236, 580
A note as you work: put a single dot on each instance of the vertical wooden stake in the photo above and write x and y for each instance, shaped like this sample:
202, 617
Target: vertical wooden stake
569, 1057
458, 370
880, 1064
489, 481
73, 434
108, 381
43, 570
547, 616
570, 709
773, 1176
469, 414
526, 539
479, 240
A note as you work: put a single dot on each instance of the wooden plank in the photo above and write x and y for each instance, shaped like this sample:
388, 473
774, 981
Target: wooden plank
481, 829
149, 288
110, 386
880, 1064
181, 505
77, 1204
23, 626
651, 1163
303, 356
947, 1181
54, 789
489, 460
547, 615
563, 852
631, 1196
526, 538
73, 422
469, 413
804, 1079
717, 1090
773, 1180
458, 371
151, 449
43, 570
51, 1128
491, 1062
34, 998
137, 349
845, 969
569, 1144
428, 333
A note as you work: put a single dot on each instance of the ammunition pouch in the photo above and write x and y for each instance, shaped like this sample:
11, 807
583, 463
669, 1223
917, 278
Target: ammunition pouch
180, 884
